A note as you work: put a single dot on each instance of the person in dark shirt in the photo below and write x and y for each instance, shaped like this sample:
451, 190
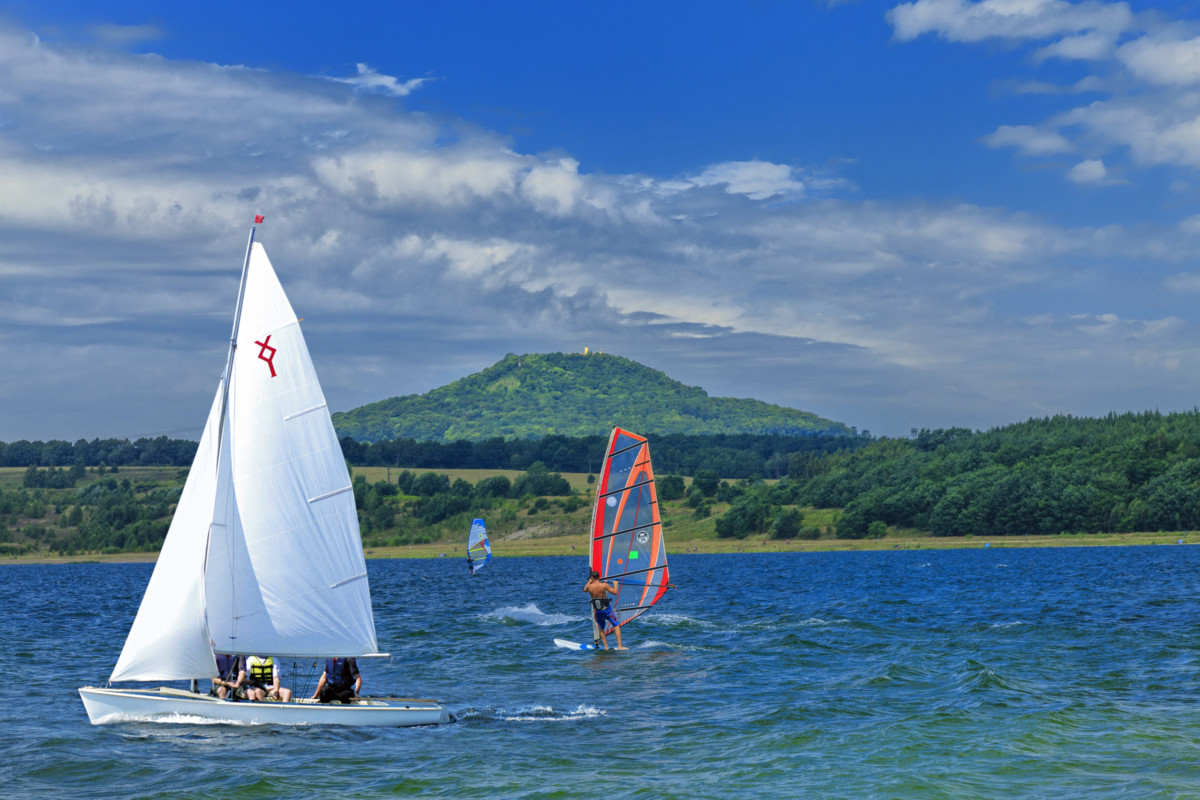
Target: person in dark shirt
341, 681
231, 677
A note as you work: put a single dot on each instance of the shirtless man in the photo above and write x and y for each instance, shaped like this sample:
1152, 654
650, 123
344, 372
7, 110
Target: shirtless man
599, 591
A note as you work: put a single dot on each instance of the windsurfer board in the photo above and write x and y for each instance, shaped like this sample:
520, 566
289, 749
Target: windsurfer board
575, 645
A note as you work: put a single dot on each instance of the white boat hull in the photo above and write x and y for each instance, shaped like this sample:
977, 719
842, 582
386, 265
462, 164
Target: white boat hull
174, 705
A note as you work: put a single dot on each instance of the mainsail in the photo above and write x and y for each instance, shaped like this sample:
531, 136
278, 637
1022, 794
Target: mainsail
627, 544
264, 553
479, 551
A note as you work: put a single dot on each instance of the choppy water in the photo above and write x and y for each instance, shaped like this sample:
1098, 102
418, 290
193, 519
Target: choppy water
1040, 673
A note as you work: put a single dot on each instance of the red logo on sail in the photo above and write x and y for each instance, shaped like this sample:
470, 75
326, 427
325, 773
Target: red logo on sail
270, 359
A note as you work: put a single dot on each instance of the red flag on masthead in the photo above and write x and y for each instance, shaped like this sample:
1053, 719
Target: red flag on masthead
258, 218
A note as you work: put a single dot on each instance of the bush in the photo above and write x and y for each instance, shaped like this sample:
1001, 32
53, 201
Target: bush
787, 524
671, 487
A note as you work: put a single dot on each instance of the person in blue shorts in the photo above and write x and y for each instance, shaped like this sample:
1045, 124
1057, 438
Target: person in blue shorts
600, 591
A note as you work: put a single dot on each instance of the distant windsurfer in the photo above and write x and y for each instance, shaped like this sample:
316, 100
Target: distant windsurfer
600, 591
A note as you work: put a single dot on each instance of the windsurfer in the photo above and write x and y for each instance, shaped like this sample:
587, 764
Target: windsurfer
600, 591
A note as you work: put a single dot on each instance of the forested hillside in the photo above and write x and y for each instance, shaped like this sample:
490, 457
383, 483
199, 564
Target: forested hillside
1126, 472
532, 396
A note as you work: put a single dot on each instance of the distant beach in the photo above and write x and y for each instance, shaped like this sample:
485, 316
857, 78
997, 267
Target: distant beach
576, 545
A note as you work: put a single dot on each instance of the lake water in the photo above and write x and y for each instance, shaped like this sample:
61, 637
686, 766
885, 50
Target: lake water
990, 673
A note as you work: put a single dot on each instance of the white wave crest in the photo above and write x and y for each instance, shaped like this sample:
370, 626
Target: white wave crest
675, 620
170, 719
531, 614
550, 714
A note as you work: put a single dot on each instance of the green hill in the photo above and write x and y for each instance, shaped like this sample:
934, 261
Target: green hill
567, 394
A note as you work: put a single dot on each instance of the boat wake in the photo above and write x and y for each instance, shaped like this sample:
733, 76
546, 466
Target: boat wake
169, 719
532, 714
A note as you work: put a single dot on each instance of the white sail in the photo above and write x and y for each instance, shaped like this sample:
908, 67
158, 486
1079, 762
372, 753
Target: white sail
169, 638
286, 572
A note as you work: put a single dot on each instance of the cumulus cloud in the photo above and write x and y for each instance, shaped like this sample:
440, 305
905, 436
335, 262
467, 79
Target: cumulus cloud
1091, 170
417, 257
1163, 61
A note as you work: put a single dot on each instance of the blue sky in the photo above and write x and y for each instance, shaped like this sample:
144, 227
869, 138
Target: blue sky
895, 215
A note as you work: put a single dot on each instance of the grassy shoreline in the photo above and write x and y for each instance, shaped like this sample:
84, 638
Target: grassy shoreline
576, 545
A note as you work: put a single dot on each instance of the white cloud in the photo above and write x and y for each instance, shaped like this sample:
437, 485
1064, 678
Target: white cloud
1090, 46
758, 180
963, 21
400, 177
370, 80
1028, 139
554, 187
1163, 61
1154, 130
1090, 171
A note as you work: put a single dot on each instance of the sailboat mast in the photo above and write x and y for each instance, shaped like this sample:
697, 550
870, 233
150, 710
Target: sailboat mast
237, 319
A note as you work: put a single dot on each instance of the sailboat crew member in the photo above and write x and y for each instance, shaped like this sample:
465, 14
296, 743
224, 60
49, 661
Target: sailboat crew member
263, 681
231, 677
600, 591
340, 681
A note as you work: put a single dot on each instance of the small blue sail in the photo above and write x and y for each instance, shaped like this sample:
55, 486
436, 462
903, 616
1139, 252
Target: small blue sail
479, 551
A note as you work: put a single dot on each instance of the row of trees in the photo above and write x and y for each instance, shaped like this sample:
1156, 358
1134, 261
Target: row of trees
159, 452
730, 455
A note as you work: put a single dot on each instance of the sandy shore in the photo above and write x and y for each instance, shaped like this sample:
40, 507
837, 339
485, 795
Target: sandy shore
576, 545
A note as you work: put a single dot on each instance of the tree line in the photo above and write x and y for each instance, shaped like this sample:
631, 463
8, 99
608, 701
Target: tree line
730, 455
158, 452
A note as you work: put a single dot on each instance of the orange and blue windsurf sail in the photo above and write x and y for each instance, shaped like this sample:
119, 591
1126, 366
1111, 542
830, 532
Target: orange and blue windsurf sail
479, 551
627, 544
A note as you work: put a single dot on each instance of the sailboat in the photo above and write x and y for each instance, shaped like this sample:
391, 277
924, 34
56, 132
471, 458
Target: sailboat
263, 555
626, 534
479, 550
